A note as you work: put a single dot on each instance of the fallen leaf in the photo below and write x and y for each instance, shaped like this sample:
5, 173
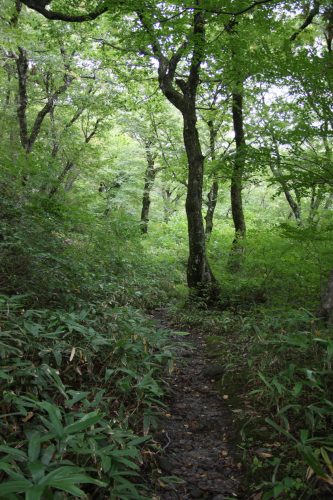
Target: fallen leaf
309, 473
28, 417
264, 454
72, 354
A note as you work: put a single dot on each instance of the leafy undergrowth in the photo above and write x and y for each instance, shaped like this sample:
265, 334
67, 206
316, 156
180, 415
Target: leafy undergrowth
278, 374
81, 391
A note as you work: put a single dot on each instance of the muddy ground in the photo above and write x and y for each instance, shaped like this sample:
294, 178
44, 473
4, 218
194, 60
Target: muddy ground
197, 430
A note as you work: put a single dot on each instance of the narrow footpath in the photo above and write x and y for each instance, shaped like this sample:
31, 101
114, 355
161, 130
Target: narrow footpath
196, 432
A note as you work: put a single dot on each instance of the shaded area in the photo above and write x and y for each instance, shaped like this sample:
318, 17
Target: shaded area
196, 432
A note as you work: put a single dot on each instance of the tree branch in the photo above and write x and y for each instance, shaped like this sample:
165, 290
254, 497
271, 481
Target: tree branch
198, 52
43, 112
218, 11
28, 140
88, 137
312, 14
40, 6
166, 67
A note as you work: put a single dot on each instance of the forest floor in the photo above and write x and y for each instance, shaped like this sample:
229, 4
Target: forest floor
196, 433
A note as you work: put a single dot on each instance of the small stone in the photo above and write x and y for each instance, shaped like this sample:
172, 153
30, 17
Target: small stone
195, 492
219, 497
167, 464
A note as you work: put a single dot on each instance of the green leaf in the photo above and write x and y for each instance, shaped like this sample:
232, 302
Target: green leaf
297, 389
304, 435
35, 493
76, 397
312, 460
37, 470
48, 454
139, 440
69, 487
85, 422
18, 455
55, 418
14, 487
280, 429
64, 477
34, 446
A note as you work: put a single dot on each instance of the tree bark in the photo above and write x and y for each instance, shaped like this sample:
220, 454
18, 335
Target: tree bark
278, 174
238, 167
22, 72
28, 139
169, 202
317, 197
213, 193
166, 195
198, 271
211, 206
67, 168
326, 307
237, 248
329, 201
199, 275
150, 176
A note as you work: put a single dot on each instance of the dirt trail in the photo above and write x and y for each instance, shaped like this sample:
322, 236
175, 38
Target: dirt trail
196, 431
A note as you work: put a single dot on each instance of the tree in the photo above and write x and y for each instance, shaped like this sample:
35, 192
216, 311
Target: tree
175, 35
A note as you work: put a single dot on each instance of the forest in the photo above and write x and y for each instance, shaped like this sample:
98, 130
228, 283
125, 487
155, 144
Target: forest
166, 227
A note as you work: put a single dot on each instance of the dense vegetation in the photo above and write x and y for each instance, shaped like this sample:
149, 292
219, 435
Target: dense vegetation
151, 152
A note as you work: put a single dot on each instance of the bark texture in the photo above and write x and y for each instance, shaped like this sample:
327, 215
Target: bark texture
198, 271
278, 174
61, 177
214, 190
27, 138
238, 167
237, 248
317, 197
199, 275
150, 176
326, 307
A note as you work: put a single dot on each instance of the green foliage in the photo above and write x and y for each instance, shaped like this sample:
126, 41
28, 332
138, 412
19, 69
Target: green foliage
80, 391
81, 367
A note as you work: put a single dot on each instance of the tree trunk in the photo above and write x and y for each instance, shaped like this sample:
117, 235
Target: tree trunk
199, 275
329, 202
212, 201
295, 208
167, 210
317, 197
326, 306
278, 174
67, 168
237, 249
213, 193
150, 176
